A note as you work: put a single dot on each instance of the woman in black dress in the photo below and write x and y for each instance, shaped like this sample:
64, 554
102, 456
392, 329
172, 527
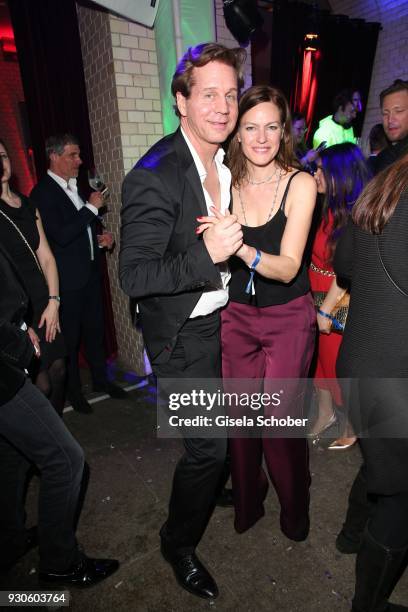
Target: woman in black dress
22, 235
373, 255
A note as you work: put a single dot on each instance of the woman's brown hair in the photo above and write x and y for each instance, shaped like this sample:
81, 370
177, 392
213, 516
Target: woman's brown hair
376, 204
251, 98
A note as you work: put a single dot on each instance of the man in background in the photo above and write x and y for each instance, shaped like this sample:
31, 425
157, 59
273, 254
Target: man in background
70, 226
337, 128
394, 111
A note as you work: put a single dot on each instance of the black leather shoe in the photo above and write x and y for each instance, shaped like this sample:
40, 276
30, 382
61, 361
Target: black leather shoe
225, 499
30, 542
192, 575
111, 389
84, 574
79, 403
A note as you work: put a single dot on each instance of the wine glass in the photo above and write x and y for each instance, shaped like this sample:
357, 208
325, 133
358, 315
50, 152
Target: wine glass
95, 181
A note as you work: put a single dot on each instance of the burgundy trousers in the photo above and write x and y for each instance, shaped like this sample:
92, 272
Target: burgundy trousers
267, 343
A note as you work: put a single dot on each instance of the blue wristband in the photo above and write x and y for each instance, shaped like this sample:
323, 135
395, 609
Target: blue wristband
335, 322
325, 314
250, 288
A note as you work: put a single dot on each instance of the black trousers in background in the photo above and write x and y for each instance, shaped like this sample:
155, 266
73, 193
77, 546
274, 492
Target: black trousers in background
378, 409
199, 471
31, 431
82, 319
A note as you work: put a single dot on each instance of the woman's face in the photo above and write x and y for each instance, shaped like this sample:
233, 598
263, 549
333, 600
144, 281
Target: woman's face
260, 132
319, 177
6, 164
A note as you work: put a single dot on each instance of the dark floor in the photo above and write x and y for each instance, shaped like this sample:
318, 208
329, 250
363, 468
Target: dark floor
261, 570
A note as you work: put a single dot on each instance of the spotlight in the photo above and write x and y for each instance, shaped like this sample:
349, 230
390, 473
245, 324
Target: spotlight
311, 42
242, 19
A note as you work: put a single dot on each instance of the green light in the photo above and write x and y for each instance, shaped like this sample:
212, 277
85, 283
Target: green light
197, 26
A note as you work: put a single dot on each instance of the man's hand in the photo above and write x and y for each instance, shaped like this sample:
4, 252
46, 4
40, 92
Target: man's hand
222, 235
96, 199
106, 240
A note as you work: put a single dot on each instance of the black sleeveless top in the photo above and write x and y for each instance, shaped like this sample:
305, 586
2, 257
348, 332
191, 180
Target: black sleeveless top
266, 238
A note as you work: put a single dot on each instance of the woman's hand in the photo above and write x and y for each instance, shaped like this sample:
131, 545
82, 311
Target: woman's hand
35, 341
206, 222
50, 318
324, 324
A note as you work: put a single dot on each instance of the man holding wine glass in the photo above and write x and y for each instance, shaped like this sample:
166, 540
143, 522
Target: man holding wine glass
70, 223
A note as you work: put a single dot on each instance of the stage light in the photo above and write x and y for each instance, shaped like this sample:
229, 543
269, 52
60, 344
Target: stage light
311, 42
8, 47
242, 19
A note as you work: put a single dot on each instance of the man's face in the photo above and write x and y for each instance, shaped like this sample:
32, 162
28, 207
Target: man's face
395, 115
67, 164
349, 113
357, 103
210, 113
298, 130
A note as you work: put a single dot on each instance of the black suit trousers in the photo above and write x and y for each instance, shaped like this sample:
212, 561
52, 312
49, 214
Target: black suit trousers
82, 318
199, 471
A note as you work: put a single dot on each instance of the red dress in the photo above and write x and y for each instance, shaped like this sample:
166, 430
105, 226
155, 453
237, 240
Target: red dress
327, 345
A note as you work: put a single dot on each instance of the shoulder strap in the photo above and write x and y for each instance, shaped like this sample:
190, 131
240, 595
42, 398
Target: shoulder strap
392, 281
282, 206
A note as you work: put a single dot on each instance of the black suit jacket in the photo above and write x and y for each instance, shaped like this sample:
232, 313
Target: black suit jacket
390, 154
66, 231
16, 349
162, 263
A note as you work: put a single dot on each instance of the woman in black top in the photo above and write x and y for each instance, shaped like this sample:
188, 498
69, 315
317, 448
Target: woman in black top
373, 254
23, 237
268, 327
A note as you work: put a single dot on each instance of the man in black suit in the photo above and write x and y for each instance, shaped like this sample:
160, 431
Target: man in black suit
69, 224
394, 110
180, 278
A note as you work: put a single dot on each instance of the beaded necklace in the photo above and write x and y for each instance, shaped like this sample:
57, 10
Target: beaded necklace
273, 202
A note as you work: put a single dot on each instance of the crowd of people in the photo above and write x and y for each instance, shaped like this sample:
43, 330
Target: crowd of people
216, 253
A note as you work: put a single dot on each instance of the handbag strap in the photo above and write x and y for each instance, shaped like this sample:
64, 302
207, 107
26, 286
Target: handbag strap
400, 289
23, 238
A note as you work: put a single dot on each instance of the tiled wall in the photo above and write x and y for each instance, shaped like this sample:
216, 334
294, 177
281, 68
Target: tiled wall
137, 88
105, 114
391, 60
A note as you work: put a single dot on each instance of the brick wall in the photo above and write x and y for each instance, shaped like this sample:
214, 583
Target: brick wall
391, 60
225, 37
137, 88
11, 130
103, 91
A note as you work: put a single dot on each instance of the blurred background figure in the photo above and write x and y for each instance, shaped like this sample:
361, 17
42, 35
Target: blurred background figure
357, 102
394, 110
358, 107
377, 142
341, 175
337, 128
305, 156
372, 254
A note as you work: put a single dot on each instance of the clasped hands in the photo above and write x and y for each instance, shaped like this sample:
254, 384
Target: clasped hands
222, 235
